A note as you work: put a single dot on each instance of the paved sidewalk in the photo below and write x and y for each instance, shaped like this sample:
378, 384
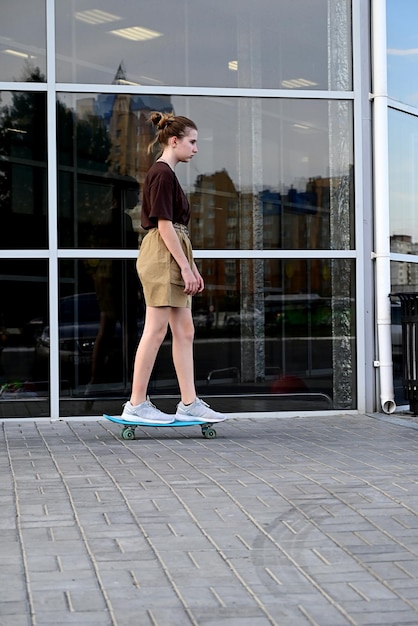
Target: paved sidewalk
292, 522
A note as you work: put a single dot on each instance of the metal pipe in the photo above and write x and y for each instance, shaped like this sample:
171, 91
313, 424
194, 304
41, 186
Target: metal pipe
381, 205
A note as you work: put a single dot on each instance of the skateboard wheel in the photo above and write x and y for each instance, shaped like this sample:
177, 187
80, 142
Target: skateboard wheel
128, 433
209, 433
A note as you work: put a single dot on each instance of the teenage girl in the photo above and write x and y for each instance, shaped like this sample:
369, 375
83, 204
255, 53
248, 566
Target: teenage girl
169, 277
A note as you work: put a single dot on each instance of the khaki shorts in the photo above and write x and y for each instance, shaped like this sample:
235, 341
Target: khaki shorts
160, 274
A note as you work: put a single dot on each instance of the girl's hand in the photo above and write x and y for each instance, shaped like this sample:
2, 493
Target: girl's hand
191, 282
199, 279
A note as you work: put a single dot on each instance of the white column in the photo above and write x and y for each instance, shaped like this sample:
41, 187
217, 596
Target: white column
381, 204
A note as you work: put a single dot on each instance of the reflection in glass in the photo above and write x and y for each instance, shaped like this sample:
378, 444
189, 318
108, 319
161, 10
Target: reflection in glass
240, 43
277, 334
23, 170
404, 279
403, 185
103, 159
100, 314
270, 335
22, 39
270, 174
402, 45
24, 389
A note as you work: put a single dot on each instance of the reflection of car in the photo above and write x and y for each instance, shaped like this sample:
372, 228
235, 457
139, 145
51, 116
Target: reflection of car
200, 318
236, 319
79, 320
298, 309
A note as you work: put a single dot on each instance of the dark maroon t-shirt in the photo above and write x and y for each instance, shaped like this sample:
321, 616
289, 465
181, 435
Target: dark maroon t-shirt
163, 197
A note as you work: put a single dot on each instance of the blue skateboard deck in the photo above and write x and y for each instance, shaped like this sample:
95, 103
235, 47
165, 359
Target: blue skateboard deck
128, 428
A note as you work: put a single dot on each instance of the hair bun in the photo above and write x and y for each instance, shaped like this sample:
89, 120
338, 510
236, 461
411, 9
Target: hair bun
156, 118
166, 120
168, 125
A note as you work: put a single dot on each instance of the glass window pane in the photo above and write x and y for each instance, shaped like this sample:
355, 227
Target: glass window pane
23, 41
23, 170
276, 328
233, 43
100, 315
404, 279
402, 37
270, 335
270, 173
24, 381
403, 182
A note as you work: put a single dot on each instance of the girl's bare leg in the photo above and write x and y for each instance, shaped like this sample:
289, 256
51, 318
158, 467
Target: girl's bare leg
155, 329
182, 328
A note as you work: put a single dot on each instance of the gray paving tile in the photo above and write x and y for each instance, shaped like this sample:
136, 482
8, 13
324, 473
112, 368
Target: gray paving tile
303, 521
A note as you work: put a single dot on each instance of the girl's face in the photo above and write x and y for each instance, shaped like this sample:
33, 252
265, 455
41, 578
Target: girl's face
186, 147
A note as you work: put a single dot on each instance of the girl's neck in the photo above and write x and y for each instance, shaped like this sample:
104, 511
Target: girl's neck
170, 164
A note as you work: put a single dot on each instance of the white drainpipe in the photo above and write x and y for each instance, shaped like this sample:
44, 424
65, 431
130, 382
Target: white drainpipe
381, 205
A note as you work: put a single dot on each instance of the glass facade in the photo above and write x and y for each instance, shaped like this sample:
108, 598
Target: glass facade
270, 174
402, 44
272, 192
173, 43
264, 328
403, 159
23, 40
24, 390
23, 178
403, 164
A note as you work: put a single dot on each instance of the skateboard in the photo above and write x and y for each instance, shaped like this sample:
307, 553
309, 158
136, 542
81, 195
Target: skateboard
128, 428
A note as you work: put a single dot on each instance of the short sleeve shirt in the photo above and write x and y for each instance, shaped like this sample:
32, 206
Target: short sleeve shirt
163, 197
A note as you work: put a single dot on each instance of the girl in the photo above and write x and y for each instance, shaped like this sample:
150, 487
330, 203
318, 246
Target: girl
169, 277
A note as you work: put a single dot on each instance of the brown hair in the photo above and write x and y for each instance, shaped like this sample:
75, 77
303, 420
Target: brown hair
168, 125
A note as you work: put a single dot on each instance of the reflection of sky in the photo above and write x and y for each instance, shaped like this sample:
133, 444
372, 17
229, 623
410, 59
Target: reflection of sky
403, 168
402, 41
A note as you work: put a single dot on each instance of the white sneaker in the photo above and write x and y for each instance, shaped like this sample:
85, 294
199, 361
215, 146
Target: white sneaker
198, 410
145, 412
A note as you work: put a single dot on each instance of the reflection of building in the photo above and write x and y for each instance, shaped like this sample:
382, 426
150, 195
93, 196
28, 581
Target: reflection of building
297, 219
404, 275
222, 218
125, 121
129, 130
215, 205
215, 208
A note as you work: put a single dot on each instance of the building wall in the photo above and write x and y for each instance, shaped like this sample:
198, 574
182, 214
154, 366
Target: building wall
277, 92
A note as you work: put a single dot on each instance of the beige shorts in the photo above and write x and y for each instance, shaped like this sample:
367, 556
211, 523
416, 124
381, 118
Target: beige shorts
160, 274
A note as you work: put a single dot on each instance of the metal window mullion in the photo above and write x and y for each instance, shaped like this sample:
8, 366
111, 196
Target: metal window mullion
52, 211
242, 92
362, 203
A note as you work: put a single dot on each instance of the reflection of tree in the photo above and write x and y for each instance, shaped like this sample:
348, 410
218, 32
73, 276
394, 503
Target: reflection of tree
4, 179
95, 204
23, 166
86, 136
23, 124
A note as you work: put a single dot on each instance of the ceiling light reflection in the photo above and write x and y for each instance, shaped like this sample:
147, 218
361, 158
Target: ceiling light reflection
96, 16
297, 82
136, 33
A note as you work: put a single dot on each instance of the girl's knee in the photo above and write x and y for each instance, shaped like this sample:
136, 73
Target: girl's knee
183, 332
154, 334
181, 324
